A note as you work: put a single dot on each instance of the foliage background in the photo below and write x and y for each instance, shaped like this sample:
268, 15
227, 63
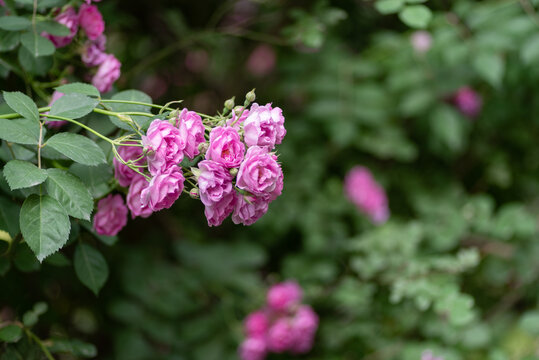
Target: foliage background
455, 269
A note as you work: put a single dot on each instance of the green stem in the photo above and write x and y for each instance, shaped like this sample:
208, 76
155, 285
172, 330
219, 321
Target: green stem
135, 103
39, 146
81, 125
15, 115
38, 341
112, 113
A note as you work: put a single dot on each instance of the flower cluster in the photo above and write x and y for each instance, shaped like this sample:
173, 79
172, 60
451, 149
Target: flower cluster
90, 20
283, 325
363, 191
236, 171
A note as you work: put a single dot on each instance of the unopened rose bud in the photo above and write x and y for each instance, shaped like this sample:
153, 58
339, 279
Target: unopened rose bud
125, 118
194, 194
203, 147
229, 104
174, 114
251, 96
196, 172
233, 171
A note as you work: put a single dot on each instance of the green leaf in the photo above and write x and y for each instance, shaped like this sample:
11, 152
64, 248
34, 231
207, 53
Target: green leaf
529, 51
78, 148
22, 174
44, 225
448, 128
70, 192
24, 259
79, 88
9, 40
416, 16
388, 6
131, 95
58, 259
22, 105
21, 131
95, 177
52, 27
76, 347
14, 23
9, 217
34, 65
37, 45
90, 267
10, 333
530, 322
490, 67
73, 106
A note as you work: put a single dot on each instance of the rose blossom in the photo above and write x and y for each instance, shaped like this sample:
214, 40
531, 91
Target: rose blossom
111, 215
468, 101
216, 191
264, 126
138, 184
107, 73
70, 19
91, 21
248, 209
94, 51
304, 325
55, 123
421, 41
164, 146
280, 337
218, 212
284, 296
226, 147
256, 324
123, 173
191, 130
253, 348
164, 189
260, 174
362, 190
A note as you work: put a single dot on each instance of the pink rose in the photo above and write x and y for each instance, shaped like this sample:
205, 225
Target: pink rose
304, 326
214, 182
256, 324
421, 41
248, 209
54, 124
70, 19
264, 126
134, 203
225, 147
123, 173
94, 51
107, 73
284, 296
111, 215
262, 60
260, 174
363, 191
218, 212
468, 101
280, 337
91, 21
192, 131
164, 189
253, 348
239, 114
163, 145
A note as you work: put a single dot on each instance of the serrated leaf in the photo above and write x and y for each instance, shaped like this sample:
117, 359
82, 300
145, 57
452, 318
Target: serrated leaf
14, 23
91, 267
79, 88
78, 148
131, 95
73, 106
10, 333
52, 27
22, 174
490, 67
44, 225
37, 45
9, 217
21, 131
70, 192
21, 104
95, 177
388, 6
416, 16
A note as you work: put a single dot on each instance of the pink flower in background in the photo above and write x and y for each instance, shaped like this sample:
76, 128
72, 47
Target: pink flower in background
164, 189
2, 3
163, 145
111, 215
59, 123
226, 147
91, 21
94, 51
248, 209
256, 324
70, 19
191, 130
253, 348
133, 199
123, 173
468, 101
197, 61
363, 191
421, 41
280, 337
89, 1
428, 355
304, 326
264, 126
262, 60
154, 85
107, 73
260, 174
284, 296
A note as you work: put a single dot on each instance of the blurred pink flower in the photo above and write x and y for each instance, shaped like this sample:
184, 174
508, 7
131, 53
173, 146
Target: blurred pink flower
107, 73
262, 60
284, 296
421, 41
197, 61
253, 348
363, 191
91, 20
93, 52
468, 101
70, 19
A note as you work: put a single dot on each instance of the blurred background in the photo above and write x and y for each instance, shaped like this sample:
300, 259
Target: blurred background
440, 106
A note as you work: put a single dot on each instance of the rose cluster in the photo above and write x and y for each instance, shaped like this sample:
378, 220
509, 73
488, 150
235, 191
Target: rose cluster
283, 325
93, 54
236, 172
363, 191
